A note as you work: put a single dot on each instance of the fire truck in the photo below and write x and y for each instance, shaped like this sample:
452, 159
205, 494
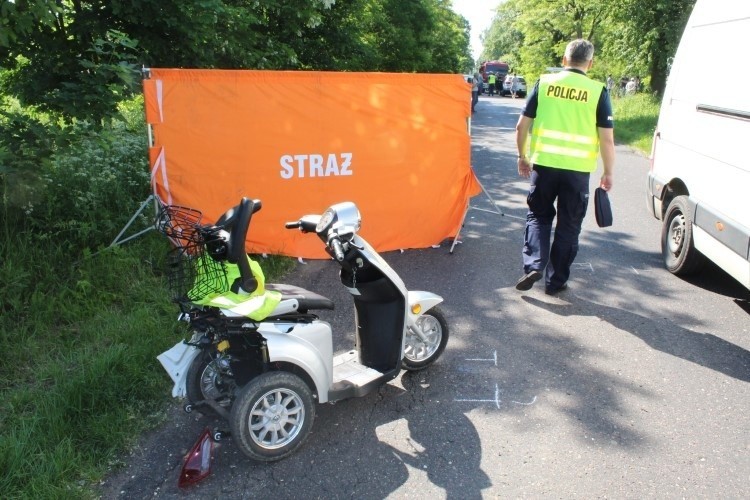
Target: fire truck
500, 69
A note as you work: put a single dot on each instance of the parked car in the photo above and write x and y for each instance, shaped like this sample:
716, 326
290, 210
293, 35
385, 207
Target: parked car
520, 91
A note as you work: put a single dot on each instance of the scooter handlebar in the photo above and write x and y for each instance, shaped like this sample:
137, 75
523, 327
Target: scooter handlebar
306, 224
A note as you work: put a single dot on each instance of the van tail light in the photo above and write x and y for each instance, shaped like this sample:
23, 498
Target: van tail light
197, 464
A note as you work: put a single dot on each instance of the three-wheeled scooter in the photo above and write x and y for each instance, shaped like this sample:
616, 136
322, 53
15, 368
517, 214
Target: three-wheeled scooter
258, 355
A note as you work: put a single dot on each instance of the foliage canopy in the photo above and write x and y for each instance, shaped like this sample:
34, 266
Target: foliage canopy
79, 58
632, 37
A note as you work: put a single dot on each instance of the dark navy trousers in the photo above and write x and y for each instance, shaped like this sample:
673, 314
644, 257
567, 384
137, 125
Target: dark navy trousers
571, 191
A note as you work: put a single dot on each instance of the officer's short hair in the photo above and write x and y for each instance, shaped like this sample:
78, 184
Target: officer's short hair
579, 51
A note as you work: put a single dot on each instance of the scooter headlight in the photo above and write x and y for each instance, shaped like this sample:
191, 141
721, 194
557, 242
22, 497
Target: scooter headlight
340, 216
325, 221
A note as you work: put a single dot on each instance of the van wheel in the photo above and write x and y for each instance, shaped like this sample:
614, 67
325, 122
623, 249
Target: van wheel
418, 353
680, 255
272, 416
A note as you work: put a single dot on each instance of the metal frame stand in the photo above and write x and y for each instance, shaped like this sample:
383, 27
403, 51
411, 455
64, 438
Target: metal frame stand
118, 241
468, 206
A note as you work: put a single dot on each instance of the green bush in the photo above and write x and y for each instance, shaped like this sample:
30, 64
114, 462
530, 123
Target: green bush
95, 185
76, 184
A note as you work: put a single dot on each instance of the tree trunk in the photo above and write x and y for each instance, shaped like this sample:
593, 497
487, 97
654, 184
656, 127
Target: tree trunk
658, 66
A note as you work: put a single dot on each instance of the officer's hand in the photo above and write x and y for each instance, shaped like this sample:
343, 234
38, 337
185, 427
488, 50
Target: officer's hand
606, 182
524, 167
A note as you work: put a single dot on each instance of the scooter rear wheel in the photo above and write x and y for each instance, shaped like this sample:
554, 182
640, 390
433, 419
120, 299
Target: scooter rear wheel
272, 416
419, 354
205, 380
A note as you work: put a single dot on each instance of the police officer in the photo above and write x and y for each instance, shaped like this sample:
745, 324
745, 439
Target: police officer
572, 123
491, 81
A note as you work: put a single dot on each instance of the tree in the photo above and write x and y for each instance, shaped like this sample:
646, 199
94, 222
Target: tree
503, 40
391, 35
85, 55
340, 42
648, 34
18, 18
80, 57
548, 26
632, 37
449, 47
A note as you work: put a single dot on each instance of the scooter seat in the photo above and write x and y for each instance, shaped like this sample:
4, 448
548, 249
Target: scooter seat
306, 299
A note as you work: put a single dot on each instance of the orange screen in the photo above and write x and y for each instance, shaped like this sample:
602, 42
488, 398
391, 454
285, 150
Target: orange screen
397, 145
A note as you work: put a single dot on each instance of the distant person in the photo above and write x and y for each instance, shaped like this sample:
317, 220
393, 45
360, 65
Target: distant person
475, 91
630, 87
491, 79
572, 123
610, 84
514, 85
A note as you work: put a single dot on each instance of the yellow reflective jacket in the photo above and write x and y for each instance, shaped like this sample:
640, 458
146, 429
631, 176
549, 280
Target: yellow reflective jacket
564, 134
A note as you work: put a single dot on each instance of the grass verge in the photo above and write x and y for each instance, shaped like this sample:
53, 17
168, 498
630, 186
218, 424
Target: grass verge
80, 380
635, 120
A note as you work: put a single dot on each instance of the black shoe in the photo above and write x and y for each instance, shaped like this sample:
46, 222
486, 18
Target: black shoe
528, 280
555, 290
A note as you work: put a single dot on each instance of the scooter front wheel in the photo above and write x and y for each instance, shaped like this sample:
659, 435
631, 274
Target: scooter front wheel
418, 353
272, 416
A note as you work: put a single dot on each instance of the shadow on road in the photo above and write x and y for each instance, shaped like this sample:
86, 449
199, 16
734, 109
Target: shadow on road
378, 442
716, 280
704, 349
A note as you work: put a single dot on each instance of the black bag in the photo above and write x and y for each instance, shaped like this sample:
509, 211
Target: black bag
602, 208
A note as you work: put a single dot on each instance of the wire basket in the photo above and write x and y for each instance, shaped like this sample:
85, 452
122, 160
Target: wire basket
180, 224
192, 274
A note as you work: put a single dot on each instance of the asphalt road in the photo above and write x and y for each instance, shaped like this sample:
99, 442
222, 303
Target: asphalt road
631, 384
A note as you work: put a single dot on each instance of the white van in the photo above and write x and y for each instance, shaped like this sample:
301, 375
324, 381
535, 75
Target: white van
699, 183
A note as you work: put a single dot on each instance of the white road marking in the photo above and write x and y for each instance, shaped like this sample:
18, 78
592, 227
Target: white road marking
493, 358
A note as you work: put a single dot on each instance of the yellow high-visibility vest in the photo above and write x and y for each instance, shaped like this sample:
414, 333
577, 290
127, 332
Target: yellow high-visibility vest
491, 79
564, 134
